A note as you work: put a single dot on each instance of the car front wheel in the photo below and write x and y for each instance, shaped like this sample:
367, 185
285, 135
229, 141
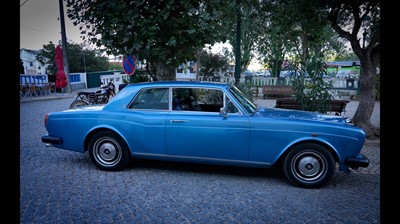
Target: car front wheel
108, 151
309, 165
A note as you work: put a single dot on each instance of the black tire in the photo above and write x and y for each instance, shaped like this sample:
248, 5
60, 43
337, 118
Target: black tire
309, 165
108, 151
77, 103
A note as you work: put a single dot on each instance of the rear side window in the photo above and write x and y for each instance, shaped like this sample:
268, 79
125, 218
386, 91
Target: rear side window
152, 98
197, 99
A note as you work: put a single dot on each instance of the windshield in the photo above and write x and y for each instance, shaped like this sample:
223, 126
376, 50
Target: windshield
242, 99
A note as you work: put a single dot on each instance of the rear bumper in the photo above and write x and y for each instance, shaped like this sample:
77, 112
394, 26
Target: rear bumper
360, 161
51, 140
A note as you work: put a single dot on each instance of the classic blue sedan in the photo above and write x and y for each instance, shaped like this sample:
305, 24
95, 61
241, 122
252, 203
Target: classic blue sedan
211, 123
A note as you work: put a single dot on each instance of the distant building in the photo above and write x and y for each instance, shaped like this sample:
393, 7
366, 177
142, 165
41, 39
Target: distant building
343, 69
31, 65
343, 64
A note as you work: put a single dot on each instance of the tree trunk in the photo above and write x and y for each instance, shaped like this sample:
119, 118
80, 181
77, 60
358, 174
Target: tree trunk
164, 71
362, 117
369, 56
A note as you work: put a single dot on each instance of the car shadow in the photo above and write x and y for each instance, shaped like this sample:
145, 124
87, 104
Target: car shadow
202, 168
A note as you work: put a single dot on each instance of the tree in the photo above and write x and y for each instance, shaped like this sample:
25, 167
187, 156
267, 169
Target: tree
46, 57
211, 63
162, 33
80, 60
275, 40
298, 30
86, 60
346, 56
247, 14
350, 19
115, 66
312, 40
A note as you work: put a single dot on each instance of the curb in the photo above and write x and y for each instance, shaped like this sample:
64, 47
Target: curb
24, 100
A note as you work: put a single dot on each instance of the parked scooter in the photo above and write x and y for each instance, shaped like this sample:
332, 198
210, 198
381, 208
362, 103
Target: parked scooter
100, 96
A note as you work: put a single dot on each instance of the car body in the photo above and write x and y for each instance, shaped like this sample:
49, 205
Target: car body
212, 123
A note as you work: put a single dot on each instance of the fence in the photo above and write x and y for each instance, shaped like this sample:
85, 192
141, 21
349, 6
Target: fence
341, 86
337, 83
77, 80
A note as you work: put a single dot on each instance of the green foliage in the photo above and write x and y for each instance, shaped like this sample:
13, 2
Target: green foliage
79, 59
162, 33
295, 29
139, 76
211, 63
251, 20
312, 93
46, 57
115, 66
346, 56
85, 60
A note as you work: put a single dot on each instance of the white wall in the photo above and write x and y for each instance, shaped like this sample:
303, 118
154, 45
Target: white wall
31, 65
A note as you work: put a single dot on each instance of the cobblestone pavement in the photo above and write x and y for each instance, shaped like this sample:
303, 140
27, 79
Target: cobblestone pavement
59, 186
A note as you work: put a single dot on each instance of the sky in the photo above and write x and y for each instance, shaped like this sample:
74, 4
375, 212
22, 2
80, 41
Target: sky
40, 24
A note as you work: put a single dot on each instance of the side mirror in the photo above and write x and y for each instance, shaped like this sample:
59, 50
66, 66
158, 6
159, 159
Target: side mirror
223, 112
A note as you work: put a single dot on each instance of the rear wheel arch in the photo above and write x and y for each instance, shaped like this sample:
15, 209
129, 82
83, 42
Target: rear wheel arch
90, 136
95, 131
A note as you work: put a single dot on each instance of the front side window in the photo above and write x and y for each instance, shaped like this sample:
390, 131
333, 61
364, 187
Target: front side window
230, 106
152, 98
243, 100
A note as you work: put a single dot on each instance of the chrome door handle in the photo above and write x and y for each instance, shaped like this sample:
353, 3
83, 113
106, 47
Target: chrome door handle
178, 121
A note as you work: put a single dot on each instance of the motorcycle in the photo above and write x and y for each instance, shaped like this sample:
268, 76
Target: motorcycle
100, 96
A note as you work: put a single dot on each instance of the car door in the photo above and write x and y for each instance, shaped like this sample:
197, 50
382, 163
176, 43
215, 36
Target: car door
203, 132
150, 109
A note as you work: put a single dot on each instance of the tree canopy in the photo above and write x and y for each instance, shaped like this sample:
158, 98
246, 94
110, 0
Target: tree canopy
162, 33
80, 60
210, 63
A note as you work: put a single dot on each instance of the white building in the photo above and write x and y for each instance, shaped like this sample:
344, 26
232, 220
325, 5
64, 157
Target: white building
31, 65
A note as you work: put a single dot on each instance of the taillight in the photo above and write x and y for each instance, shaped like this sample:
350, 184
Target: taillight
45, 119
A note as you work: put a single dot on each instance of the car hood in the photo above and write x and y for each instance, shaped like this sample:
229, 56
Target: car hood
299, 114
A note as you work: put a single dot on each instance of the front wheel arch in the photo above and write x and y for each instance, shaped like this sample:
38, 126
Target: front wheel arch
279, 161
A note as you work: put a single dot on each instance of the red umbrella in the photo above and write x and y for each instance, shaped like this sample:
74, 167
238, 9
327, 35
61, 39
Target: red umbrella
61, 79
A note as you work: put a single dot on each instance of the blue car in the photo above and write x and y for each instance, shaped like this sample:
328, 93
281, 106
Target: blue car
212, 123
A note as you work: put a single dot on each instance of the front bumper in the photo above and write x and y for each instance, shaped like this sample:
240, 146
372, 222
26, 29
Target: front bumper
51, 140
354, 163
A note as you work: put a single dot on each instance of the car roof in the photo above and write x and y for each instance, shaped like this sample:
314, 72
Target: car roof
127, 93
178, 83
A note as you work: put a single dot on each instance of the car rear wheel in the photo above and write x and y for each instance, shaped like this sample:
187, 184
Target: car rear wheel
309, 165
108, 151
